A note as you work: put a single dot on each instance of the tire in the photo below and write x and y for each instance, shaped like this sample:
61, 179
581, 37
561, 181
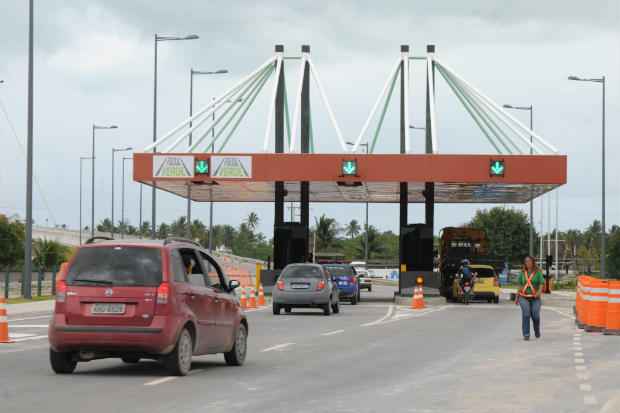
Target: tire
369, 289
276, 309
288, 309
336, 308
130, 359
354, 300
496, 300
236, 356
327, 308
179, 362
62, 362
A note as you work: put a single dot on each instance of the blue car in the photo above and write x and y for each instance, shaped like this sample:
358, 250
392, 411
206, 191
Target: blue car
346, 278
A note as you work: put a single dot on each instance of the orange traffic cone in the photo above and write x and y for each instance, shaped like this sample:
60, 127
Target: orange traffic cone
261, 295
4, 323
417, 302
252, 298
243, 301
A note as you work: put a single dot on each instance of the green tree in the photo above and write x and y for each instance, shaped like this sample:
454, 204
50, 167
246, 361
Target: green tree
106, 226
228, 235
326, 231
178, 227
145, 229
163, 231
507, 231
353, 229
48, 254
613, 252
12, 234
375, 246
252, 221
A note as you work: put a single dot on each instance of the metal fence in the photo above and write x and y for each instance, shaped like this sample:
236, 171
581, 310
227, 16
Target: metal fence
43, 283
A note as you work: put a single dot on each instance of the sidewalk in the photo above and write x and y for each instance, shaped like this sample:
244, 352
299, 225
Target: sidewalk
34, 307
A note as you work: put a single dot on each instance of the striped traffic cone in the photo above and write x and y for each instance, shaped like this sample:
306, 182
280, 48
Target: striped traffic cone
261, 295
243, 301
417, 302
252, 298
4, 323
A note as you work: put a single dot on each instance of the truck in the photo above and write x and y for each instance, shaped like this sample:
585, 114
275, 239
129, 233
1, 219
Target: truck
455, 245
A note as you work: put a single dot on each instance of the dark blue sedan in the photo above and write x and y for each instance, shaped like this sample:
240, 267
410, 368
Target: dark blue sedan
346, 279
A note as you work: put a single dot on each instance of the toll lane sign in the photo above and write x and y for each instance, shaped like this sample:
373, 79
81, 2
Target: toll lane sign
173, 166
201, 167
497, 168
349, 167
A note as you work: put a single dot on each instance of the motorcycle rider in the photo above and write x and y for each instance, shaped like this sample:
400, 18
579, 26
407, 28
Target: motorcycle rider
465, 273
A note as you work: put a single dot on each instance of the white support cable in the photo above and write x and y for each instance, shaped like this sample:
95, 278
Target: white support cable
238, 98
272, 102
209, 108
498, 115
296, 113
376, 106
405, 73
527, 131
327, 106
431, 100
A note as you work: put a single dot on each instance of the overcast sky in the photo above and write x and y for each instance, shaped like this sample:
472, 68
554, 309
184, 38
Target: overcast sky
94, 63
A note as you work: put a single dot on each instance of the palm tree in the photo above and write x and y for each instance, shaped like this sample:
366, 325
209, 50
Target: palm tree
374, 243
326, 230
252, 220
353, 229
48, 254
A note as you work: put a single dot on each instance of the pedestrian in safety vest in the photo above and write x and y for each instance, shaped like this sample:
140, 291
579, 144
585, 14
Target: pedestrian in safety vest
531, 282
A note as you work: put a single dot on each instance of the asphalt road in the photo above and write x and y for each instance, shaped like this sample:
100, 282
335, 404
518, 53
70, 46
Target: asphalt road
373, 357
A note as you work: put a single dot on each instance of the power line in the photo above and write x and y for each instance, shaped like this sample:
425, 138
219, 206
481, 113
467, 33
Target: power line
23, 150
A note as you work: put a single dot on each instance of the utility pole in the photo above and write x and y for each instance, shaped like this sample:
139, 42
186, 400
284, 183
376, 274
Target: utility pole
27, 277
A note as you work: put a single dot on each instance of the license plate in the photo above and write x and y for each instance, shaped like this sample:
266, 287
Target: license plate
342, 283
300, 286
108, 308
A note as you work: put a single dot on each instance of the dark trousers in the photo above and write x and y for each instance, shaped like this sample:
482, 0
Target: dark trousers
530, 308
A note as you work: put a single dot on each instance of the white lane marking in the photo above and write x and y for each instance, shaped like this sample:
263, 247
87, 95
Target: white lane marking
252, 310
578, 348
581, 368
562, 313
160, 381
416, 314
583, 376
11, 320
578, 354
331, 333
579, 361
277, 347
19, 335
590, 400
19, 340
29, 326
585, 387
390, 311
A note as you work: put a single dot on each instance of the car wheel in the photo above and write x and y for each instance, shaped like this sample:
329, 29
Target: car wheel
288, 309
62, 362
327, 308
276, 309
179, 362
496, 300
336, 308
130, 359
369, 289
354, 299
236, 356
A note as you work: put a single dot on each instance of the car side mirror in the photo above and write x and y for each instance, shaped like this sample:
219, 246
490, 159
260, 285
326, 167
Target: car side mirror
232, 284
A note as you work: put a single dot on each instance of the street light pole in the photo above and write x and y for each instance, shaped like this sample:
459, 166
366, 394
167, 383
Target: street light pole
193, 72
365, 145
92, 204
114, 150
529, 108
159, 38
83, 158
123, 197
602, 81
27, 277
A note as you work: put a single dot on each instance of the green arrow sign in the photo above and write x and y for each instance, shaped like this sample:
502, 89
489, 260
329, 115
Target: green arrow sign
202, 167
349, 168
497, 168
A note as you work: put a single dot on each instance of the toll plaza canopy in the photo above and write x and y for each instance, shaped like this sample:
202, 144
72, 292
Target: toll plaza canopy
351, 178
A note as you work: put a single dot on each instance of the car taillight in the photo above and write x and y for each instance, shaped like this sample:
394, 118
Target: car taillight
162, 293
320, 285
353, 280
61, 291
281, 285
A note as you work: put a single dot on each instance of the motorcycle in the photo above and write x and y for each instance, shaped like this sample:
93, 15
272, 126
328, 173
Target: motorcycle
468, 290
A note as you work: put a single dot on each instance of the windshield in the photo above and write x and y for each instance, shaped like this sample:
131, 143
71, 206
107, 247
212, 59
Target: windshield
483, 272
302, 271
340, 270
116, 265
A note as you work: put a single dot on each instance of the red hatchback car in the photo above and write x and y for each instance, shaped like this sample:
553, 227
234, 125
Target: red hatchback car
165, 300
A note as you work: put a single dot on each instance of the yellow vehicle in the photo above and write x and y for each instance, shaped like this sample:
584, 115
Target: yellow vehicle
486, 284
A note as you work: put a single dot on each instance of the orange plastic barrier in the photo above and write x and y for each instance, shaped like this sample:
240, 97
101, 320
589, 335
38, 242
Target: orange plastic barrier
4, 323
596, 305
613, 309
244, 277
583, 290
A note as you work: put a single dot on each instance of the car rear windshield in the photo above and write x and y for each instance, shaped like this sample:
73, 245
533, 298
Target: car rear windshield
340, 270
116, 265
302, 271
484, 272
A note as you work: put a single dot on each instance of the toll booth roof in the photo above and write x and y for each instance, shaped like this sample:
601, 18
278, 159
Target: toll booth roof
352, 178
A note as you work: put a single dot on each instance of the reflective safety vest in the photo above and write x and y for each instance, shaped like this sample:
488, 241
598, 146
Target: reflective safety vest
528, 284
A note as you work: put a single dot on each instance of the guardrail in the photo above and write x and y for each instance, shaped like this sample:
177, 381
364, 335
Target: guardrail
43, 283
